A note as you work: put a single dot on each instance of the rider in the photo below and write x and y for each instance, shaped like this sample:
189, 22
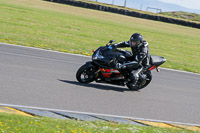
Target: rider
140, 56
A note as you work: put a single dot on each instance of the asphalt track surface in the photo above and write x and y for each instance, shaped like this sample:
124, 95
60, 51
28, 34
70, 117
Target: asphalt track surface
39, 78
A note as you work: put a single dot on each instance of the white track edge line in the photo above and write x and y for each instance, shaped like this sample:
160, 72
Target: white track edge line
179, 71
43, 49
97, 114
87, 56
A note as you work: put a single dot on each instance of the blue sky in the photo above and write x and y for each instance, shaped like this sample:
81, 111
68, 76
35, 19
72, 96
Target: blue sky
192, 4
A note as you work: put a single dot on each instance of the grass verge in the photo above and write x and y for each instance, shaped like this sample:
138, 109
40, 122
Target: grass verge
65, 28
10, 123
183, 15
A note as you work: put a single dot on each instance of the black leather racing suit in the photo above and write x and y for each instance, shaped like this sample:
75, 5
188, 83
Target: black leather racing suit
139, 60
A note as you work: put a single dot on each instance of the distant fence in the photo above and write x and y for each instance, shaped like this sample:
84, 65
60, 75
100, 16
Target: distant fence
127, 12
157, 9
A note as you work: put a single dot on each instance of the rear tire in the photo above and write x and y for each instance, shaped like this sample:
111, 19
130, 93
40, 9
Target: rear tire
85, 74
133, 87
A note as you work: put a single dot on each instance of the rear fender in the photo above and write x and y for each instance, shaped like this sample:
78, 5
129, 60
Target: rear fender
157, 60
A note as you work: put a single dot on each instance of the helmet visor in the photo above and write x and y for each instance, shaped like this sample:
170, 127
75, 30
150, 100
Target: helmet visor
134, 43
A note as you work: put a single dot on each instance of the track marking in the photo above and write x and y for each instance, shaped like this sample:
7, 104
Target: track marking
192, 128
105, 115
147, 122
167, 125
156, 124
14, 45
13, 111
40, 58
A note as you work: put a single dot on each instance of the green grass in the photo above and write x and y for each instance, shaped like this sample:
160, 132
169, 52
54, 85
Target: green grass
65, 28
10, 123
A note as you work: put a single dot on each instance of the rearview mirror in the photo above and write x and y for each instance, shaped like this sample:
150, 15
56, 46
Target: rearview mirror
111, 41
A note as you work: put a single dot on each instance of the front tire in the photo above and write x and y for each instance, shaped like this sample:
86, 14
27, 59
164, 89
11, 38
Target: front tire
85, 74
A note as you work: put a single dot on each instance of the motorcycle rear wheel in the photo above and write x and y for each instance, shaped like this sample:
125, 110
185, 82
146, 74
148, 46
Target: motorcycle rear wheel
133, 87
85, 74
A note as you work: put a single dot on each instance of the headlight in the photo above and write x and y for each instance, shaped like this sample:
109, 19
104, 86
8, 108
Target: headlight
97, 56
94, 57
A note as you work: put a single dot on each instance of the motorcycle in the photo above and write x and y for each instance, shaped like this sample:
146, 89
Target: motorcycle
102, 68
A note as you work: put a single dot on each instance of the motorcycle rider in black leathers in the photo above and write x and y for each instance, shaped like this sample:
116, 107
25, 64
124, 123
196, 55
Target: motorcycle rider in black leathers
140, 58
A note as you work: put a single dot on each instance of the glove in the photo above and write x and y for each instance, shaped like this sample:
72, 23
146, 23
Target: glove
120, 66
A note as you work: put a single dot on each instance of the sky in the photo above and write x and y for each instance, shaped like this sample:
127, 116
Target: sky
192, 4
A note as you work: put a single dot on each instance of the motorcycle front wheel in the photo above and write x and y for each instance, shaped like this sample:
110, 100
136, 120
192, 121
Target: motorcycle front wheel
85, 74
